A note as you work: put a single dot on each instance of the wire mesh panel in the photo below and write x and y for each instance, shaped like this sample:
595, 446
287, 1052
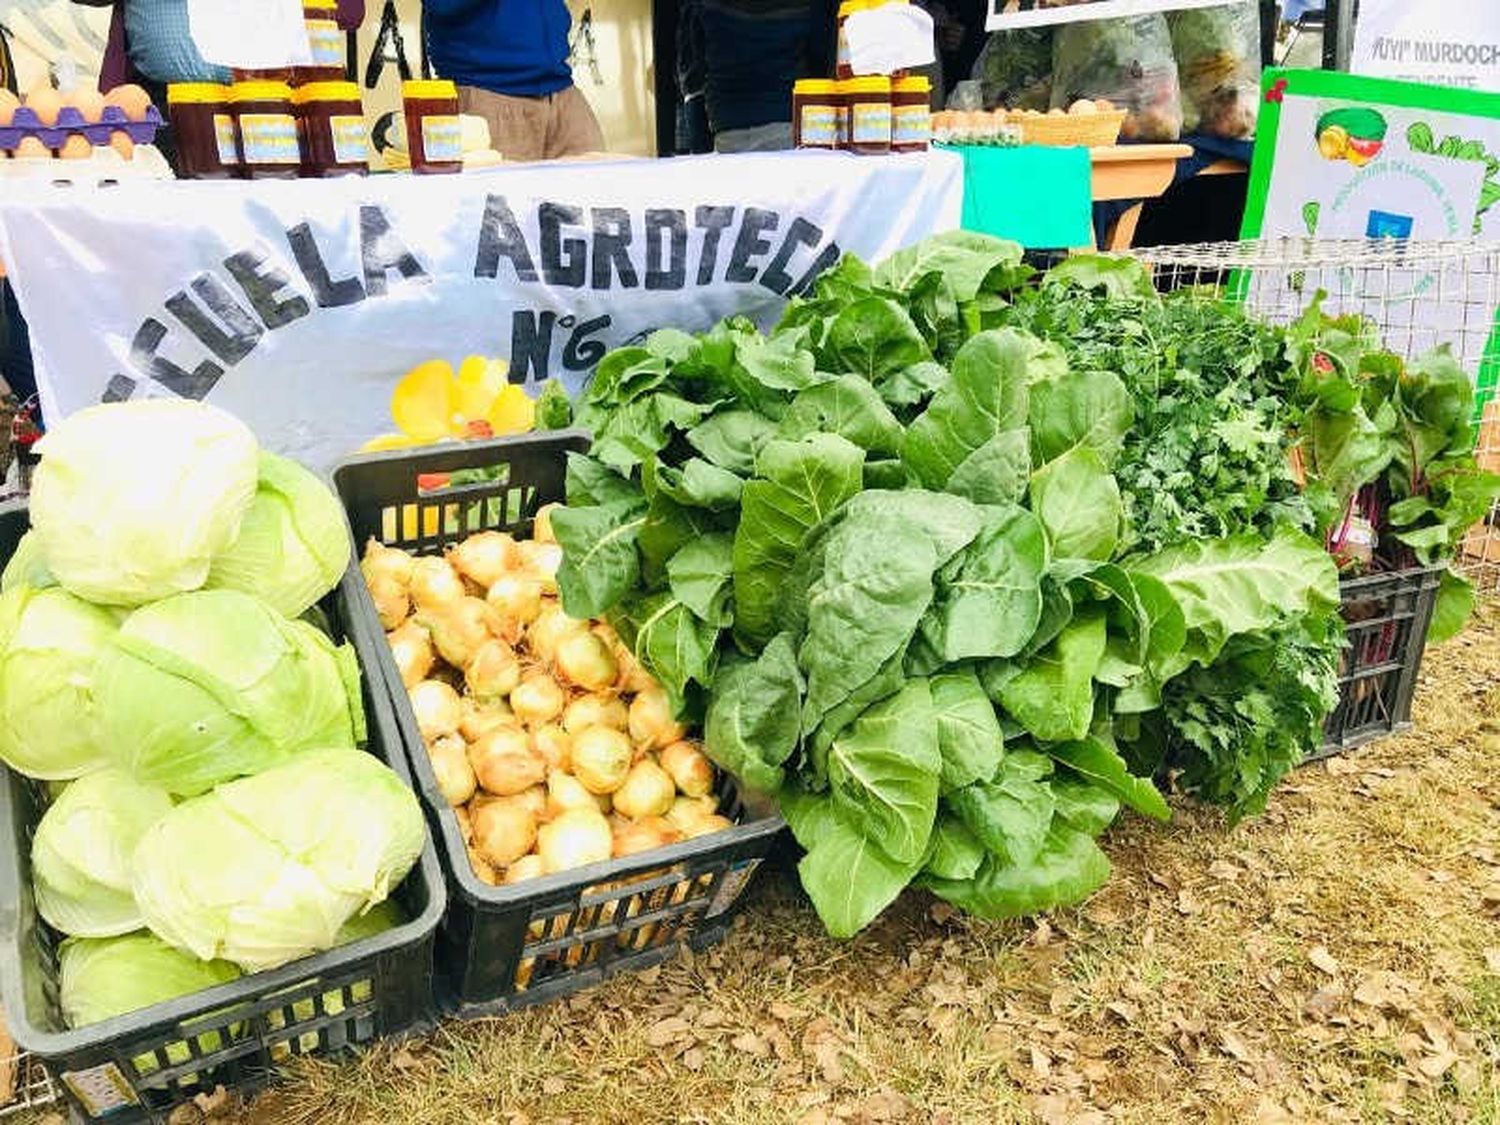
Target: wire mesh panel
24, 1083
1419, 295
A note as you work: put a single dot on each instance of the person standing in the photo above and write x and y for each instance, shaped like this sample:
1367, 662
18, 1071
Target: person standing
754, 50
510, 61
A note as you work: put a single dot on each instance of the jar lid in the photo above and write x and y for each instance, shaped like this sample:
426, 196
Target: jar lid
815, 86
871, 84
259, 90
196, 93
326, 92
912, 84
429, 88
849, 6
320, 5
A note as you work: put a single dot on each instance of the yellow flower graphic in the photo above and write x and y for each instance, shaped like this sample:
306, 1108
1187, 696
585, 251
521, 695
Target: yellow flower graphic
431, 403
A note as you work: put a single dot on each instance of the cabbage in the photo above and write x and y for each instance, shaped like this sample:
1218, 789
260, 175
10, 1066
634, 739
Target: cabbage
269, 868
27, 567
293, 545
382, 916
81, 854
49, 643
132, 500
100, 978
212, 685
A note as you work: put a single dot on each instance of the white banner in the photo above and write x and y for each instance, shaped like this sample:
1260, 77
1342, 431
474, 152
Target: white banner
298, 304
1447, 42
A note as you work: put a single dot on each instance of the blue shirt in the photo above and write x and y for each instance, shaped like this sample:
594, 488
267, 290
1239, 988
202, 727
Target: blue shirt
517, 47
755, 49
160, 45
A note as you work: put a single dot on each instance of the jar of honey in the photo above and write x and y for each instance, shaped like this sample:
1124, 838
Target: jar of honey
270, 148
434, 139
869, 115
842, 68
816, 108
335, 140
207, 148
911, 114
325, 41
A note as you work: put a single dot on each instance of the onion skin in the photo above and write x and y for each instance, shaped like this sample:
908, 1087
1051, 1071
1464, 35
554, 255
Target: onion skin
601, 759
646, 792
484, 557
537, 699
595, 711
450, 765
506, 763
437, 708
504, 831
435, 584
576, 838
494, 672
652, 724
689, 767
411, 649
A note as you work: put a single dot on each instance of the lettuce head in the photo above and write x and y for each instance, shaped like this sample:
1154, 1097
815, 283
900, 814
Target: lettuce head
100, 978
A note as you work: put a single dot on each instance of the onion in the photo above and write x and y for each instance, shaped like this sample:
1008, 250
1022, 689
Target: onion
633, 678
518, 600
647, 791
434, 583
540, 560
706, 825
541, 527
549, 629
634, 837
652, 723
527, 867
465, 825
459, 628
689, 767
584, 659
601, 758
392, 602
387, 562
534, 800
576, 838
479, 719
595, 711
504, 831
411, 649
564, 792
505, 762
450, 765
483, 557
482, 867
537, 699
437, 708
494, 672
687, 811
555, 744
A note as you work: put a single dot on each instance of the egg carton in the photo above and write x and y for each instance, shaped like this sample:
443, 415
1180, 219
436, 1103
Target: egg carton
70, 121
105, 166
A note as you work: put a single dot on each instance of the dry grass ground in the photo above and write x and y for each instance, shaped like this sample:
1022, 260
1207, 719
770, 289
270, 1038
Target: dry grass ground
1337, 960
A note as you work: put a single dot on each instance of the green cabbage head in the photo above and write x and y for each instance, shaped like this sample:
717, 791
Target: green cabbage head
269, 868
100, 978
208, 686
132, 500
293, 545
81, 854
50, 643
27, 567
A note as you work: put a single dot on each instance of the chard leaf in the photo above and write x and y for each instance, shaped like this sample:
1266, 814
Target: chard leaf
850, 407
1086, 807
951, 522
588, 482
700, 574
1068, 868
996, 472
955, 852
969, 737
1092, 759
913, 385
669, 641
752, 724
600, 564
626, 435
699, 484
964, 258
1053, 696
1078, 502
883, 772
798, 485
1010, 814
1453, 608
989, 600
874, 337
849, 877
1087, 409
732, 439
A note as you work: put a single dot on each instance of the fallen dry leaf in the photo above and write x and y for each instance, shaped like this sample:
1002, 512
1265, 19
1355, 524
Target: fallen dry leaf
1323, 961
1233, 1045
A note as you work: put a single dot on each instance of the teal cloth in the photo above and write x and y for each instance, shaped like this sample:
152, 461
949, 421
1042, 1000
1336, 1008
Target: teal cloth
1040, 197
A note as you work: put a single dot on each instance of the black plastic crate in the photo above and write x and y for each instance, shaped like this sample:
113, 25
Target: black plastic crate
502, 948
1386, 618
139, 1066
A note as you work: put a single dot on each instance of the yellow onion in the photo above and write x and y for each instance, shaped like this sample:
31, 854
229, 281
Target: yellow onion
392, 602
460, 628
465, 825
601, 758
478, 719
574, 839
434, 583
517, 598
549, 629
652, 724
494, 671
686, 811
540, 560
411, 649
584, 660
437, 708
646, 791
564, 792
634, 837
689, 767
527, 867
506, 763
386, 562
482, 867
537, 699
706, 825
633, 678
555, 744
450, 765
484, 556
504, 831
595, 711
541, 527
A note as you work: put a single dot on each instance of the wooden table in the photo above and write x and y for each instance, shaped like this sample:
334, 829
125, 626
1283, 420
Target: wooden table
1133, 172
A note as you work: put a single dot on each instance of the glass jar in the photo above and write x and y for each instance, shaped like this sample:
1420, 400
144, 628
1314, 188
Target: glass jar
269, 145
335, 140
325, 41
815, 113
869, 115
203, 128
433, 137
911, 114
846, 9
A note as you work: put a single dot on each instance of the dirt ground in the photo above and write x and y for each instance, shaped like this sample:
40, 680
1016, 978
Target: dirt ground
1337, 960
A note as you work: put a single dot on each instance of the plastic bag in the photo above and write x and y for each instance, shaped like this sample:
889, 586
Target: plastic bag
1218, 66
1126, 60
1015, 69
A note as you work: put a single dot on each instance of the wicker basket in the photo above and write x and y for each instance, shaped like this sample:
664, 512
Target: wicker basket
1087, 130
